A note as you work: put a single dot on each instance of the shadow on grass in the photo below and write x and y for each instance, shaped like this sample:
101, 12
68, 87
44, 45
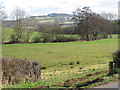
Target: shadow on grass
89, 82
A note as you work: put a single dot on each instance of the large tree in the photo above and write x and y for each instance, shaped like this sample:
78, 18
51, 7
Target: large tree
18, 15
82, 20
90, 25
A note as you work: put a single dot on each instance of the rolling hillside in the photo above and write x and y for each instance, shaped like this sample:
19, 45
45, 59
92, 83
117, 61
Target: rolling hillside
62, 19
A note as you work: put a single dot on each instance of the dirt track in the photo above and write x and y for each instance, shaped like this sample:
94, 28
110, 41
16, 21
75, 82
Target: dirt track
114, 84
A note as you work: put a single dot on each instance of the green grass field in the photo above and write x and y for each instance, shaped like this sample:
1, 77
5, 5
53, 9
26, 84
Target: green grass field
52, 54
92, 55
6, 32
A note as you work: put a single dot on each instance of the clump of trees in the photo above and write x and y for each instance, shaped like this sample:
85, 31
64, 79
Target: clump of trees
91, 26
53, 32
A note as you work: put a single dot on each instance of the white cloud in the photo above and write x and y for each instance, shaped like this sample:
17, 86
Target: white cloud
61, 6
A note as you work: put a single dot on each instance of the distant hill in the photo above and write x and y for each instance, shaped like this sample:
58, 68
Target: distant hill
61, 18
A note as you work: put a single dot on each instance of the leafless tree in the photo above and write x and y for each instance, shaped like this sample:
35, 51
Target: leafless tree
49, 30
18, 15
111, 17
30, 27
3, 14
3, 17
108, 16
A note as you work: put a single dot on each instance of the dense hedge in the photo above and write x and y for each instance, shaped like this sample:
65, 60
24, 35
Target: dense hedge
15, 70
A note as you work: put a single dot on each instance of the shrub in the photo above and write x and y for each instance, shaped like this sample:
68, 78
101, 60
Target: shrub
71, 39
60, 39
36, 38
47, 37
116, 70
116, 58
17, 70
13, 38
64, 39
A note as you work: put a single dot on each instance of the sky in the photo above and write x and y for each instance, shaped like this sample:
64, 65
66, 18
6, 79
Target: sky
44, 7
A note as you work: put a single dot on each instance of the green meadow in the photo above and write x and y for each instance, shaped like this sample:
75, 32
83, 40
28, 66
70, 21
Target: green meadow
60, 59
52, 54
6, 33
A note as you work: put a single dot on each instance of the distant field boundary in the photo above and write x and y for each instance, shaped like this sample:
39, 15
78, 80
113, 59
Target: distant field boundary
58, 42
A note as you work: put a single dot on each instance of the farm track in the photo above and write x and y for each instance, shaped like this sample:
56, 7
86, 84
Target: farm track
75, 80
113, 84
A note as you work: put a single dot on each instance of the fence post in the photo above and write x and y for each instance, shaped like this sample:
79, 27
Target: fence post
110, 67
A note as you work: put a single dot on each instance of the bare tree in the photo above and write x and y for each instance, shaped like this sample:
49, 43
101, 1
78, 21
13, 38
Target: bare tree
3, 17
104, 15
1, 8
111, 17
3, 14
30, 26
48, 30
18, 16
108, 16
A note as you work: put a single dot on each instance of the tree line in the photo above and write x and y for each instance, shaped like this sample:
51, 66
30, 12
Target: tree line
92, 26
87, 24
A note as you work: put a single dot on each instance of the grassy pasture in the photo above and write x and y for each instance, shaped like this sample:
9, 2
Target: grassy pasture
92, 55
52, 54
6, 32
43, 18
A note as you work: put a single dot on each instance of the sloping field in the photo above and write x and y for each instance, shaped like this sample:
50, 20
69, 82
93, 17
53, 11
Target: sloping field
52, 54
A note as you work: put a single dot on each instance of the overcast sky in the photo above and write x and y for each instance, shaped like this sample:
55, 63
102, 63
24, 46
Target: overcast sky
43, 7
